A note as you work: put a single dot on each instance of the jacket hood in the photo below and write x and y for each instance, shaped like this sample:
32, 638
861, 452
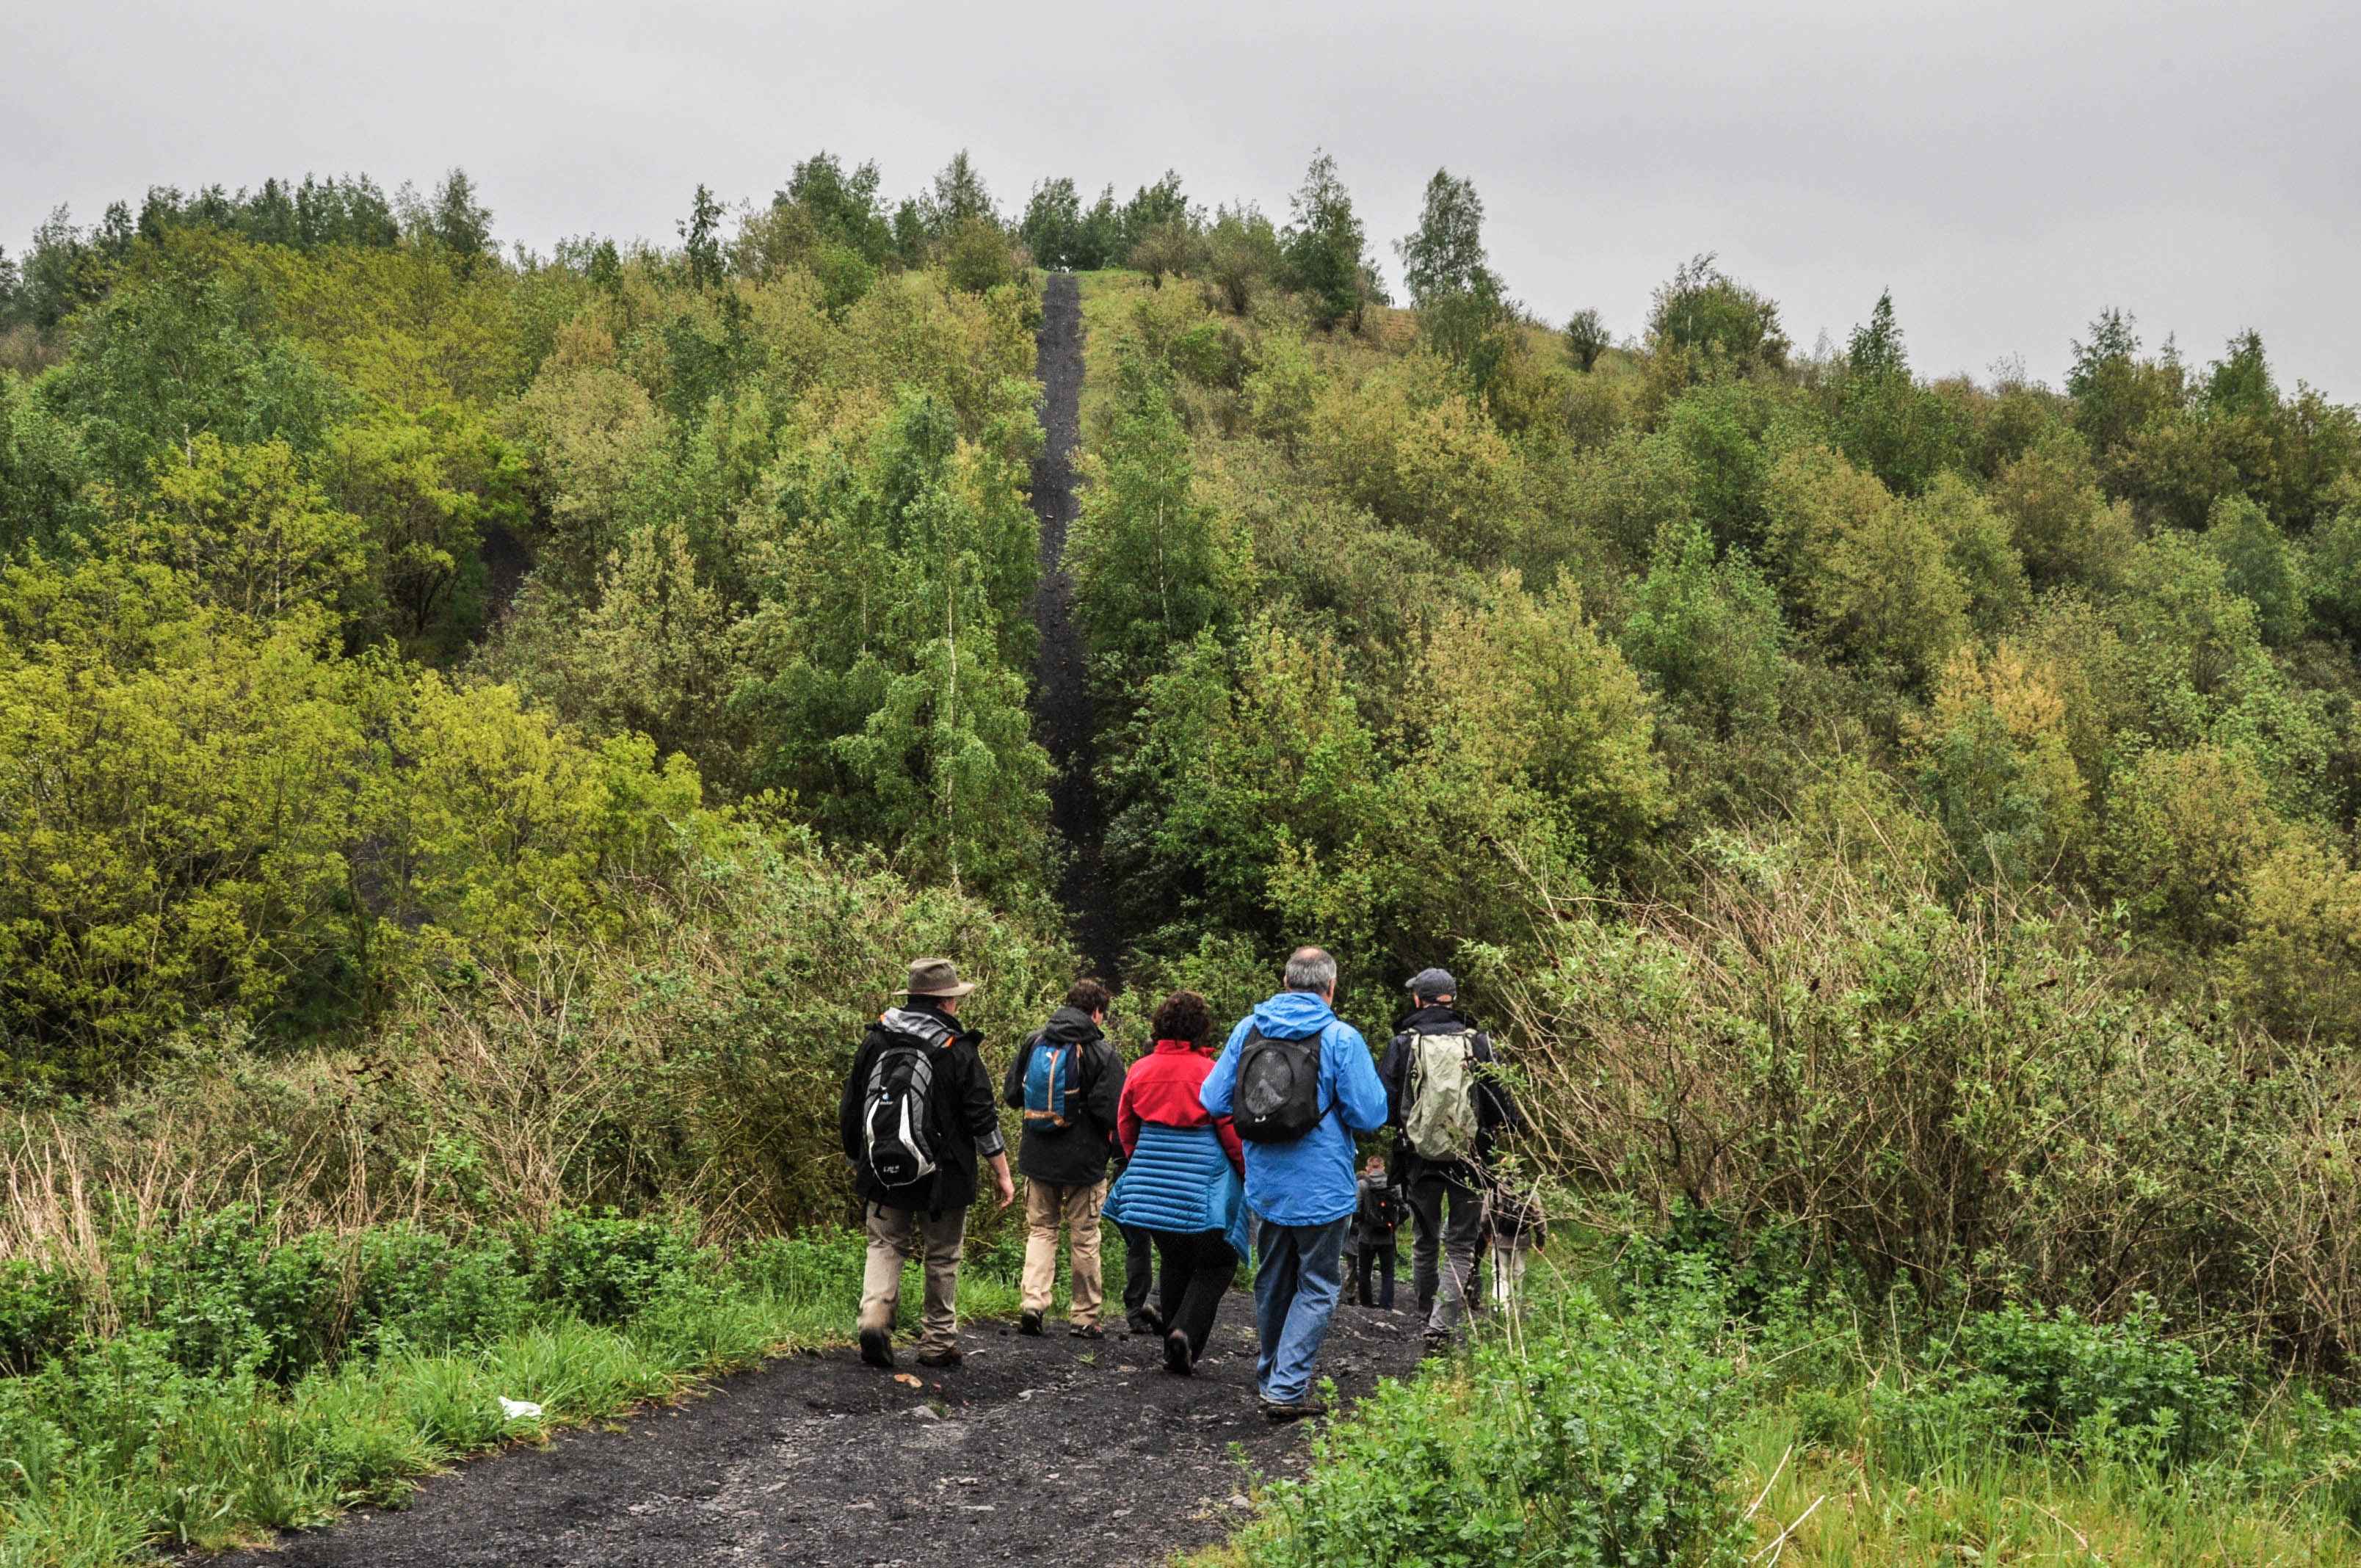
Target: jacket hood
1185, 1048
1292, 1015
1435, 1018
1070, 1026
924, 1022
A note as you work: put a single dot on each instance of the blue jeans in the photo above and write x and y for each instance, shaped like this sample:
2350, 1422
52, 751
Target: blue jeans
1298, 1276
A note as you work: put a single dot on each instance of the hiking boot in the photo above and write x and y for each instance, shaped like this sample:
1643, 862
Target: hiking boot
1302, 1409
877, 1348
1146, 1324
951, 1357
1084, 1330
1437, 1340
1177, 1358
1029, 1323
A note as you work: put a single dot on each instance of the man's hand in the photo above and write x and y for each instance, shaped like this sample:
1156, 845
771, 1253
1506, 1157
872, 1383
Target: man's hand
1002, 1182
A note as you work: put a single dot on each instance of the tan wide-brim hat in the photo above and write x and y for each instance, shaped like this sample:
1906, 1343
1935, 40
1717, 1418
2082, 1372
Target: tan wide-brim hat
936, 977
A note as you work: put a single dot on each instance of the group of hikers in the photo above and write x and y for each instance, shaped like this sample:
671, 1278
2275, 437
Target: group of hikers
1244, 1152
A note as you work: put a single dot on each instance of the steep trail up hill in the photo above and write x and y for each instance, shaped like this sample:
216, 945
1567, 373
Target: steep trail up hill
1051, 1452
1062, 717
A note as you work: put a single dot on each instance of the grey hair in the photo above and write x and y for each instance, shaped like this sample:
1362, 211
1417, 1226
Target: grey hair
1311, 969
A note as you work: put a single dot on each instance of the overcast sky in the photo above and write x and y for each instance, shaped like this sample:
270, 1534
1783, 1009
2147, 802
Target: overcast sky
2006, 168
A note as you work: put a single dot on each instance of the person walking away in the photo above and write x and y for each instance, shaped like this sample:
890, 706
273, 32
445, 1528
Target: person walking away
1184, 1184
1139, 1259
1065, 1079
1448, 1107
917, 1112
1519, 1230
1138, 1274
1374, 1226
1300, 1084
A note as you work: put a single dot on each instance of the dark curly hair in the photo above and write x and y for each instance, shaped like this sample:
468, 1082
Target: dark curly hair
1183, 1015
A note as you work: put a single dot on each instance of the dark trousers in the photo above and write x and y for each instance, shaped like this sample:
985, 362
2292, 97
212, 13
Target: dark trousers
1381, 1258
1198, 1269
1446, 1214
1138, 1270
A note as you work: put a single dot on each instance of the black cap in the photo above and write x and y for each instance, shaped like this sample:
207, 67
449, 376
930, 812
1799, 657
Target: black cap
1429, 982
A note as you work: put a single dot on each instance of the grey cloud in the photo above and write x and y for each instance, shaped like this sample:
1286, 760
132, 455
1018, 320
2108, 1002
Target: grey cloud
2007, 169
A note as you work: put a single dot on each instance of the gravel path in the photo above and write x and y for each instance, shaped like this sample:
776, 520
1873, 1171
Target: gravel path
1048, 1450
1062, 718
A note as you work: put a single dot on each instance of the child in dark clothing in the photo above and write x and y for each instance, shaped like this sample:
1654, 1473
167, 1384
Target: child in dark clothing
1374, 1223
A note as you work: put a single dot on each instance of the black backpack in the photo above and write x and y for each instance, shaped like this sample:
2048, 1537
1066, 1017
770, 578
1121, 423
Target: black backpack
1277, 1098
897, 1109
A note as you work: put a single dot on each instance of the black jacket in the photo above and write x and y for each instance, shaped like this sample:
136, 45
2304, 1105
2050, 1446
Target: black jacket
1496, 1111
1075, 1155
965, 1119
1378, 1217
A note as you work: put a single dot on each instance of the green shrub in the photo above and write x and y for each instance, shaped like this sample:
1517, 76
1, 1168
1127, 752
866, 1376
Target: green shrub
40, 1312
433, 1292
2021, 1377
1596, 1440
2065, 1371
605, 1269
225, 1296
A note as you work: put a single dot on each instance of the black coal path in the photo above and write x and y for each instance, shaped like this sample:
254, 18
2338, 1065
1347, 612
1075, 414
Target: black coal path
1051, 1452
1062, 718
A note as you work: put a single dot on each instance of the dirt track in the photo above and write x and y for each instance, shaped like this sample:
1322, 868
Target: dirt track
1047, 1451
1062, 718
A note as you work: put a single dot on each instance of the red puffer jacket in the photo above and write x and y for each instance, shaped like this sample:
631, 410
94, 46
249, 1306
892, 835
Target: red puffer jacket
1163, 1087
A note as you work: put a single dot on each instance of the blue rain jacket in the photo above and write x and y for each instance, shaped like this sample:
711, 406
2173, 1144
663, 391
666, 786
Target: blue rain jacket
1313, 1180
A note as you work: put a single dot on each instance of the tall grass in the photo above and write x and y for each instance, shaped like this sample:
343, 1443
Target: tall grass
255, 1380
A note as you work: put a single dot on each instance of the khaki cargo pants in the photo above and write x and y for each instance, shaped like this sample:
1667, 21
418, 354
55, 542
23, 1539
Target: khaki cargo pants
900, 1235
1076, 1208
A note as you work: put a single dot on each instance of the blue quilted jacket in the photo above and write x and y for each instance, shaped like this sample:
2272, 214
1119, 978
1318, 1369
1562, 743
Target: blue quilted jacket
1179, 1179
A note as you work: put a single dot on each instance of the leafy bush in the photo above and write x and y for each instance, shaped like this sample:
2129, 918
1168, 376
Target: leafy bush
421, 1288
1596, 1440
605, 1269
40, 1312
2020, 1376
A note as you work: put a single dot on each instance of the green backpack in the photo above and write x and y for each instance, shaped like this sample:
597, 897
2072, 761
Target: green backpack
1441, 1120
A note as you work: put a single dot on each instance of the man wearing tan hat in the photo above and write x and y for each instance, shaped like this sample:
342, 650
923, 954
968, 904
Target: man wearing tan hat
917, 1110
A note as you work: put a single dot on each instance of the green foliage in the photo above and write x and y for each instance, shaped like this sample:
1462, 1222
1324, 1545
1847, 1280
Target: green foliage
1444, 255
1326, 249
180, 347
1591, 1439
1708, 632
2260, 565
1885, 421
140, 1441
1585, 339
1875, 577
608, 1268
250, 532
40, 1313
976, 257
1241, 257
1715, 323
2019, 1376
45, 505
1152, 566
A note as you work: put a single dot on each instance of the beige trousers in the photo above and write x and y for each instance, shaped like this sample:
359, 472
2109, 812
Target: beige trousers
901, 1235
1076, 1208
